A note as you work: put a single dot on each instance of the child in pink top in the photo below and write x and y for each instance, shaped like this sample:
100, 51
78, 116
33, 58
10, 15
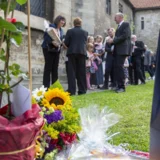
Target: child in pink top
89, 61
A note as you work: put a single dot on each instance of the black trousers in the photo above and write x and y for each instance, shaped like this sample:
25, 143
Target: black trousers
77, 71
109, 70
143, 68
131, 74
149, 70
50, 74
138, 70
119, 71
66, 64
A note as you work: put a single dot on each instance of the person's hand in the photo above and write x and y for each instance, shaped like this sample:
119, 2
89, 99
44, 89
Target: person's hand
95, 54
110, 40
55, 44
64, 46
135, 47
153, 66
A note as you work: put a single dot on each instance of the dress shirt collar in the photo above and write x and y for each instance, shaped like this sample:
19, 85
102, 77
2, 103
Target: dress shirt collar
120, 24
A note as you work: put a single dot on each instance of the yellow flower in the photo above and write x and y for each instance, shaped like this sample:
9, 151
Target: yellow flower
34, 100
56, 99
51, 132
45, 103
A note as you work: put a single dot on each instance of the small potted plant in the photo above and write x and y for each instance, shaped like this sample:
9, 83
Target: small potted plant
18, 132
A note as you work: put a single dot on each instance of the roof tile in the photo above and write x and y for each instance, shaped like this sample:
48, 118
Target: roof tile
145, 3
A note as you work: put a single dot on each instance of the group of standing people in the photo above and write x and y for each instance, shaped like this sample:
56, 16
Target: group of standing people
141, 60
85, 55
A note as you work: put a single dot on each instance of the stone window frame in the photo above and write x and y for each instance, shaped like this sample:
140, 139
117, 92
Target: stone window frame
121, 7
142, 23
108, 7
46, 7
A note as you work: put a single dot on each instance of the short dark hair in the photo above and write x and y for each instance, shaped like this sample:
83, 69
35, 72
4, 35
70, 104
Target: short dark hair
77, 21
58, 19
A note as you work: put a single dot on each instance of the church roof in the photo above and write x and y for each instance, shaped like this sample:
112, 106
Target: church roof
145, 4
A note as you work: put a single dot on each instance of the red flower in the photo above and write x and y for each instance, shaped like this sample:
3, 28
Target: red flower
12, 20
54, 141
68, 138
59, 147
139, 153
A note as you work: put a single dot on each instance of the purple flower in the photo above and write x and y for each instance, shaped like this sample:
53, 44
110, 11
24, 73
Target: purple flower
50, 148
54, 117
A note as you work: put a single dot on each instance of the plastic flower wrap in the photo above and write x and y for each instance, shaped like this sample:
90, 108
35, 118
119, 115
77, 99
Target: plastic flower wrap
62, 120
95, 123
93, 139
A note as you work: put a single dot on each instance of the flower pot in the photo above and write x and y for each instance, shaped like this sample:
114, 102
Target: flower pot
18, 136
0, 99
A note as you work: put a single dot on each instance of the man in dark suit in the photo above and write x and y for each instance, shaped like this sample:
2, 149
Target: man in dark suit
122, 43
138, 50
75, 41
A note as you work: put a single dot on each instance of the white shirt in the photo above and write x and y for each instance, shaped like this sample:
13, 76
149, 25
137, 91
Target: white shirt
120, 24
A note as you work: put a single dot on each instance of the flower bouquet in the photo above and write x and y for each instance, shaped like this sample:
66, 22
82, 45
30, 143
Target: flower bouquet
20, 121
62, 121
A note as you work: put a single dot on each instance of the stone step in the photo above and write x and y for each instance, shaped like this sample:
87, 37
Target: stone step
37, 81
39, 77
65, 85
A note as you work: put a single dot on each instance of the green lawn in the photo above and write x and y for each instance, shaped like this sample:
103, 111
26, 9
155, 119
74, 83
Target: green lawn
135, 108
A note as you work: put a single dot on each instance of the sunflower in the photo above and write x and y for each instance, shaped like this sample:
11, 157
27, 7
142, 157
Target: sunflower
56, 98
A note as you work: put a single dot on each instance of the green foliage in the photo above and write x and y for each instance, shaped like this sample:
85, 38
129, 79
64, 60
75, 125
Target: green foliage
7, 25
57, 84
21, 2
2, 55
4, 4
20, 26
17, 36
70, 123
9, 31
135, 108
15, 69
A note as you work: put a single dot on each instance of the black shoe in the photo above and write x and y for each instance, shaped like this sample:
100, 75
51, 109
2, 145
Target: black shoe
98, 87
80, 93
104, 87
143, 82
120, 90
114, 88
71, 94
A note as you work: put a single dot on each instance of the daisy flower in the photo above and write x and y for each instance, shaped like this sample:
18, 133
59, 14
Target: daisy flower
38, 94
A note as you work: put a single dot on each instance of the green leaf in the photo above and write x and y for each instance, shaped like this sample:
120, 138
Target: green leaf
20, 26
8, 78
4, 4
15, 69
57, 84
17, 36
2, 55
21, 1
7, 25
